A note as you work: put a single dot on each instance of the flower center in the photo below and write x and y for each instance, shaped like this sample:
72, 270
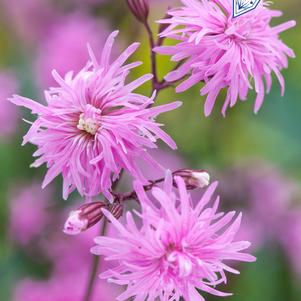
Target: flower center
89, 125
239, 29
179, 263
89, 120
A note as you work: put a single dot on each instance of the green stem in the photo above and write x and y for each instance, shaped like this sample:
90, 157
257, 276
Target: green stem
95, 268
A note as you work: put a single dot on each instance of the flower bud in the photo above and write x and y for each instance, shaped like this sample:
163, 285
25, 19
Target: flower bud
193, 178
139, 8
116, 209
83, 218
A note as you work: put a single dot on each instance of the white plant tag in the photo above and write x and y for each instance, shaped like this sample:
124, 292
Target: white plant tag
241, 7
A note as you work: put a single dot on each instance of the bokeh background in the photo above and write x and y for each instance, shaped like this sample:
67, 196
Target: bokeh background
256, 158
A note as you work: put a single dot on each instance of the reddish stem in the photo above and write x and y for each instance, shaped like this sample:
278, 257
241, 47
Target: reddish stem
131, 195
156, 84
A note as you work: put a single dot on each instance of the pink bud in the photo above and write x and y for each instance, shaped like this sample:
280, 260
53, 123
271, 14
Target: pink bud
139, 8
193, 178
75, 224
83, 218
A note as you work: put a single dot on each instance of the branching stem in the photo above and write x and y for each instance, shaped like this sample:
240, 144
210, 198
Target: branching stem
156, 84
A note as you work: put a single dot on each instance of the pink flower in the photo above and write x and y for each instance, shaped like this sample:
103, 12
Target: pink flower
8, 112
165, 157
225, 52
94, 125
28, 213
177, 249
64, 48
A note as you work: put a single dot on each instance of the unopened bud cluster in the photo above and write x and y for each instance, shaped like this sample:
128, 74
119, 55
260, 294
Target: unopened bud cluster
193, 178
88, 215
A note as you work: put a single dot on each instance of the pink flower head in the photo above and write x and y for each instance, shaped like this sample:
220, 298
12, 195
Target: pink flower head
94, 125
225, 52
178, 248
71, 33
8, 112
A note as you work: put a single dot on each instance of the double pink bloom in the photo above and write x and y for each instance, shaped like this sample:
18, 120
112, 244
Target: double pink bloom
94, 125
177, 249
229, 53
